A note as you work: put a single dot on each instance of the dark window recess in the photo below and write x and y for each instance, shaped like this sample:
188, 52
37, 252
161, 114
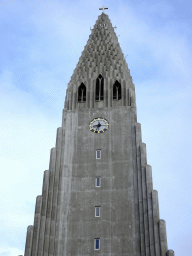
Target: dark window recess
99, 92
98, 154
98, 182
82, 93
97, 244
97, 211
117, 91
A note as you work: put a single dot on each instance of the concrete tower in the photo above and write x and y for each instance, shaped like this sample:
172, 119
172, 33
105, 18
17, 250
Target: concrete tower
97, 196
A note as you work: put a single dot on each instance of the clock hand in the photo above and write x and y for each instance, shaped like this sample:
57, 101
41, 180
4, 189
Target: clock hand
99, 124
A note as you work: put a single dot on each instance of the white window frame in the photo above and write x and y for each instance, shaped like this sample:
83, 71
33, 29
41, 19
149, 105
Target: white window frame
99, 182
97, 207
95, 244
100, 153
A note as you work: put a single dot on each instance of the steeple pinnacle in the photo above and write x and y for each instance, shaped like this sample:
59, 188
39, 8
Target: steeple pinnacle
103, 56
103, 8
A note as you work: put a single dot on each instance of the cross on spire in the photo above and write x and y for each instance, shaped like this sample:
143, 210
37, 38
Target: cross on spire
103, 8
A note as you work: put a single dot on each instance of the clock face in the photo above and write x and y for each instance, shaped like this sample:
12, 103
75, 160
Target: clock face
99, 125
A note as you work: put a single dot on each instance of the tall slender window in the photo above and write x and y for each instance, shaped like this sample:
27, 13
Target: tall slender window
82, 93
117, 90
99, 91
97, 211
97, 244
98, 181
98, 154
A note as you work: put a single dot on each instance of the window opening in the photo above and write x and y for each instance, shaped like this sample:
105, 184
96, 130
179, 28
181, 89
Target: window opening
97, 244
98, 154
97, 211
117, 90
82, 93
98, 182
99, 92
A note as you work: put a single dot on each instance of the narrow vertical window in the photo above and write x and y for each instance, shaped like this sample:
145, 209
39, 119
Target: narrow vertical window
97, 244
117, 91
98, 182
97, 211
82, 93
98, 154
99, 90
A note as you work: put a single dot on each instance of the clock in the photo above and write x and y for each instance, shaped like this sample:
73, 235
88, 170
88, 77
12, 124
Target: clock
99, 125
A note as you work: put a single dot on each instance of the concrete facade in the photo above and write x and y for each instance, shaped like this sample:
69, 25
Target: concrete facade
65, 222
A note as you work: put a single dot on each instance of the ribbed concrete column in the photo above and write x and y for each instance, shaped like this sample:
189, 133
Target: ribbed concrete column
43, 212
92, 95
49, 201
28, 243
138, 134
145, 211
60, 195
36, 226
63, 117
74, 101
109, 98
123, 93
156, 220
163, 237
88, 94
105, 93
140, 197
70, 100
55, 191
170, 253
149, 183
143, 155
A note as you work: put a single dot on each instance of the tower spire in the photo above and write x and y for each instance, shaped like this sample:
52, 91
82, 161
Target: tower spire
103, 56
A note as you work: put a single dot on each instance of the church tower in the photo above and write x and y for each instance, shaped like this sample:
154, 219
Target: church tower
97, 196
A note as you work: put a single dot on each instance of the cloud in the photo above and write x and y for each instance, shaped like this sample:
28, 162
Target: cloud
11, 252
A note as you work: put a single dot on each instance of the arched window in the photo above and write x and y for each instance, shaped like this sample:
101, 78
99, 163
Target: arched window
82, 93
117, 90
99, 92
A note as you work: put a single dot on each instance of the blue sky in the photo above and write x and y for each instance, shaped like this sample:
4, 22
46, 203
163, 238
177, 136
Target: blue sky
41, 42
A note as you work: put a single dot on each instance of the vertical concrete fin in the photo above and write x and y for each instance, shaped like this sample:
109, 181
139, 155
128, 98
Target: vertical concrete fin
28, 243
91, 94
138, 134
149, 184
74, 100
52, 159
140, 197
163, 237
69, 100
156, 221
36, 226
55, 190
49, 201
145, 211
149, 180
170, 253
43, 212
59, 198
123, 92
143, 155
66, 101
128, 97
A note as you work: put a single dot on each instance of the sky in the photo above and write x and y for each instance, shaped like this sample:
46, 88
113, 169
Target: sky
41, 43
